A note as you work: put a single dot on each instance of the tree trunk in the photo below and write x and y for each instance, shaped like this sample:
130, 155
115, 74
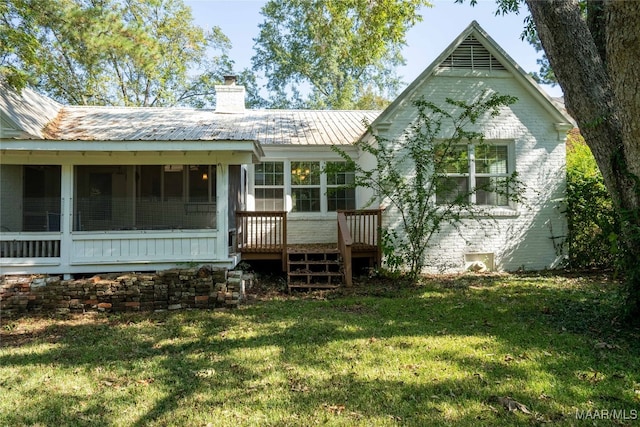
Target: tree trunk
604, 101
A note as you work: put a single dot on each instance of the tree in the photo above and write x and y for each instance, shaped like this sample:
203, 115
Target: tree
343, 52
545, 76
595, 58
112, 52
411, 175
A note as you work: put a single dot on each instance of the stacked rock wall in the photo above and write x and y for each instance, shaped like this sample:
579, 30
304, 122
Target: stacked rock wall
167, 290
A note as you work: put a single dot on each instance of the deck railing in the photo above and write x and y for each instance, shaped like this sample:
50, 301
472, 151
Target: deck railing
262, 233
359, 233
365, 227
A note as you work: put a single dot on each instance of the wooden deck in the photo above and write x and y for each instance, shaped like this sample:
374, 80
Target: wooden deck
263, 236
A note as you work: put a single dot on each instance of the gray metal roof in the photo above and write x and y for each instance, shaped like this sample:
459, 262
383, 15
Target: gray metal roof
27, 112
42, 119
268, 127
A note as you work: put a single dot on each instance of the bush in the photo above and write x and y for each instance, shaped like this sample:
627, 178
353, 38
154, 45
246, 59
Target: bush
593, 227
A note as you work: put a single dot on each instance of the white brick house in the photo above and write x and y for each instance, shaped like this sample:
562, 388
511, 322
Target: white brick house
95, 189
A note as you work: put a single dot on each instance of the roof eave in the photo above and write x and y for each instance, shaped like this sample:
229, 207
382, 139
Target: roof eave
140, 146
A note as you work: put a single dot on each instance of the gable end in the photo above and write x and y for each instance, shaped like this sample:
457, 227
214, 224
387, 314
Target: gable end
471, 55
8, 128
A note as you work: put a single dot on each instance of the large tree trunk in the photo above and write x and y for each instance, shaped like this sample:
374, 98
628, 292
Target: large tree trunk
604, 99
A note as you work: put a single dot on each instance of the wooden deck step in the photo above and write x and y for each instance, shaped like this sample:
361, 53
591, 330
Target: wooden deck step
314, 267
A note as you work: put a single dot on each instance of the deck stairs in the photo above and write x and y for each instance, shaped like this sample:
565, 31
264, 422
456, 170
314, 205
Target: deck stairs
314, 267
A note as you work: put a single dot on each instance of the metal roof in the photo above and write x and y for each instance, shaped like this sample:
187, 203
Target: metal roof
52, 121
268, 127
25, 114
32, 116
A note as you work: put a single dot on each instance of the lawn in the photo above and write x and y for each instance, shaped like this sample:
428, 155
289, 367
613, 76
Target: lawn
469, 350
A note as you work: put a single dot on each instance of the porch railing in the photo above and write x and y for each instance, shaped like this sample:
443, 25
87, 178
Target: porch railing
263, 234
25, 246
365, 227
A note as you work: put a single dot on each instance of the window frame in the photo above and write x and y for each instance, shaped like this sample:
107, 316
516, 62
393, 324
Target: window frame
330, 187
290, 185
270, 186
472, 175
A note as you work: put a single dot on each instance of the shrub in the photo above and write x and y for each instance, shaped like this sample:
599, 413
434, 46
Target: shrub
592, 224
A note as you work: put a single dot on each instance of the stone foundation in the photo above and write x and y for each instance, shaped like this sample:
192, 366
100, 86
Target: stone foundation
166, 290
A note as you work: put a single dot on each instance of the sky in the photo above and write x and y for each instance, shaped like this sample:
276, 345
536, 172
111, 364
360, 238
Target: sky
441, 24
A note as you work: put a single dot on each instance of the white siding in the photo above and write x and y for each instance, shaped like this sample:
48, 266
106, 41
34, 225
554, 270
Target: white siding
110, 249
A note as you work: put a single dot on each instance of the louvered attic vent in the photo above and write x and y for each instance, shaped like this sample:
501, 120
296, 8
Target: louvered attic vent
471, 55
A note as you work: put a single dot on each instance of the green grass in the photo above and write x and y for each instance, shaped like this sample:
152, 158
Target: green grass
446, 352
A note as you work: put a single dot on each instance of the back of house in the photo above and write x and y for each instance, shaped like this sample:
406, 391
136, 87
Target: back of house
99, 189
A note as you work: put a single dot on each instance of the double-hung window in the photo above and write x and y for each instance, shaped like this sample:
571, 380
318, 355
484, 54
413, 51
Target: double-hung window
339, 197
475, 174
269, 186
305, 186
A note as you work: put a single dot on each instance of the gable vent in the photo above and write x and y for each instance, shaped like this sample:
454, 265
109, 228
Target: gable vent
471, 55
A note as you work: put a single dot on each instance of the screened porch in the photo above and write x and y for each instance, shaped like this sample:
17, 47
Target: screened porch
93, 218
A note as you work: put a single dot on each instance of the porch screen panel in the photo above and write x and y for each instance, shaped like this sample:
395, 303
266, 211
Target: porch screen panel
30, 198
145, 197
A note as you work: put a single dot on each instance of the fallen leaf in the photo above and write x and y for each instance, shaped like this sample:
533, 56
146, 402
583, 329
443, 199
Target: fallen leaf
603, 345
335, 409
512, 405
300, 388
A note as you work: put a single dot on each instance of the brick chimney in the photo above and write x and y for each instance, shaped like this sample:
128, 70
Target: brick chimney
229, 97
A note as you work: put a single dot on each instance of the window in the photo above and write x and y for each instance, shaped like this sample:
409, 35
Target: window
491, 174
269, 186
484, 168
340, 198
305, 186
199, 184
302, 186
